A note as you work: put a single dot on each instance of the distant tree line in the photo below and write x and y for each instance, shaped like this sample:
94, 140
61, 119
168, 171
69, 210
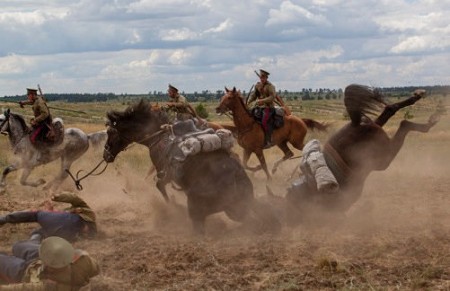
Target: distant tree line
206, 95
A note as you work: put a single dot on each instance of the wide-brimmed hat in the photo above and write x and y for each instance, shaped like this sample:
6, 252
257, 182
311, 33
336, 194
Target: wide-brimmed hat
56, 252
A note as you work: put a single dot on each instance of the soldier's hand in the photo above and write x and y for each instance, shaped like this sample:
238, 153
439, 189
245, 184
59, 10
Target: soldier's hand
33, 122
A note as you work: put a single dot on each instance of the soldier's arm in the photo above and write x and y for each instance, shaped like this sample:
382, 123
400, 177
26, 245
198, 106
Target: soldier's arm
271, 96
44, 113
70, 198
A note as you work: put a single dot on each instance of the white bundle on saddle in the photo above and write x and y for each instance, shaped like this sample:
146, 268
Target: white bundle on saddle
206, 142
314, 166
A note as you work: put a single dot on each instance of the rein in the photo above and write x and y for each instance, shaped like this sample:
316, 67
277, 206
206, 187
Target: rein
91, 173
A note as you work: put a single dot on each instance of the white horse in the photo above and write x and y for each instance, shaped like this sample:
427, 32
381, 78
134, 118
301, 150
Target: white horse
74, 144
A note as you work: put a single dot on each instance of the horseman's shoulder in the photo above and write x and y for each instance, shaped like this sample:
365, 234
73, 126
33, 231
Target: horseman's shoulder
181, 98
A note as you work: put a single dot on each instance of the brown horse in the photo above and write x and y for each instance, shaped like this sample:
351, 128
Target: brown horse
357, 149
250, 134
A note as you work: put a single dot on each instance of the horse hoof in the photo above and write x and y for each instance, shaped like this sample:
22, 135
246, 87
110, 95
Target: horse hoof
40, 182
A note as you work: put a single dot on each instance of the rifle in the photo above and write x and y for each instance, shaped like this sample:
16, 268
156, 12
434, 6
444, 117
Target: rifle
248, 95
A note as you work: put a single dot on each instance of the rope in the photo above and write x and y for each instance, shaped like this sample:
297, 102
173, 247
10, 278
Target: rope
91, 173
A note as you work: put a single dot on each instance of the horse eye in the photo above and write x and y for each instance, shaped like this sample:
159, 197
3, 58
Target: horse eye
114, 123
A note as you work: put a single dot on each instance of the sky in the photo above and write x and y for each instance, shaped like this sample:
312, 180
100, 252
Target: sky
140, 46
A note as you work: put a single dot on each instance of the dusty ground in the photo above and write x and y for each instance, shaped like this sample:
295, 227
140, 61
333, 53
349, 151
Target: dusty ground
396, 237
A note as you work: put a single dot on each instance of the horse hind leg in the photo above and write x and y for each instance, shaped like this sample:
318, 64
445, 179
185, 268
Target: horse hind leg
287, 155
23, 179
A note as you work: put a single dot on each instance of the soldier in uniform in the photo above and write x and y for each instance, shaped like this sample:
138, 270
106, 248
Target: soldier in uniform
42, 121
178, 105
264, 98
74, 222
58, 267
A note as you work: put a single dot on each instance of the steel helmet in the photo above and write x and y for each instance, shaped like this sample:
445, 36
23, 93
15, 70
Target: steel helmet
56, 252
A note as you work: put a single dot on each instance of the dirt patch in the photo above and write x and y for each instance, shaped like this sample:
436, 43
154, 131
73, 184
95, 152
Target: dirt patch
397, 236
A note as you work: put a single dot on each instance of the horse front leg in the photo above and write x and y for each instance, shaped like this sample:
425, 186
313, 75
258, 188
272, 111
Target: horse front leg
161, 185
262, 161
6, 171
287, 155
25, 174
247, 154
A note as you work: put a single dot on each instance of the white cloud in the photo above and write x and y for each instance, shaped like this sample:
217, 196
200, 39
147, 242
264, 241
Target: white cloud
137, 45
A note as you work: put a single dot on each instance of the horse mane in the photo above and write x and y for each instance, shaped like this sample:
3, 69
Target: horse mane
137, 113
21, 120
361, 100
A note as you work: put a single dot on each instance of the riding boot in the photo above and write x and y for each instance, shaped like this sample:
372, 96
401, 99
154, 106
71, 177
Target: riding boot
268, 136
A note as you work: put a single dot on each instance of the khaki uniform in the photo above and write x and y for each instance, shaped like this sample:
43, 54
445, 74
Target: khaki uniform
265, 93
181, 108
40, 110
74, 277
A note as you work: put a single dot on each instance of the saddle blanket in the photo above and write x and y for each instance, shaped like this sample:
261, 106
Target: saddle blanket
316, 170
205, 142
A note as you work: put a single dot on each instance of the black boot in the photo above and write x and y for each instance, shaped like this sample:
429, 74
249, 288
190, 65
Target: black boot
3, 220
18, 217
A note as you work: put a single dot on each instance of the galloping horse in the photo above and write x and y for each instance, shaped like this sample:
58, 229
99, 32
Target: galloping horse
357, 149
74, 144
251, 134
213, 181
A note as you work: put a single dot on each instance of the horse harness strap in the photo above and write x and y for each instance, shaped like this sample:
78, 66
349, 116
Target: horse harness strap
337, 165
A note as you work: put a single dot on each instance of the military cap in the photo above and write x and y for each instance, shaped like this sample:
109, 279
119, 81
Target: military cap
263, 73
56, 252
30, 90
173, 88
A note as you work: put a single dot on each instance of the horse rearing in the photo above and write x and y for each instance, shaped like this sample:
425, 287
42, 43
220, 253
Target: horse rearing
251, 134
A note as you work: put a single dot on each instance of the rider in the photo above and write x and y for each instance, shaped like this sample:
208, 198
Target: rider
178, 105
42, 121
57, 266
264, 95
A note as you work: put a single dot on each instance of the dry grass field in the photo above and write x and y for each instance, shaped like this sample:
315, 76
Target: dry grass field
396, 237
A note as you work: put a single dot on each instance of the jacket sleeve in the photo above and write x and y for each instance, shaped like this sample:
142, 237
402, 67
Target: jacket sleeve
270, 96
73, 199
43, 111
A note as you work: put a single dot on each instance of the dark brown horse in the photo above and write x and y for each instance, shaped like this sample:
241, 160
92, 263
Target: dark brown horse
250, 134
357, 149
213, 182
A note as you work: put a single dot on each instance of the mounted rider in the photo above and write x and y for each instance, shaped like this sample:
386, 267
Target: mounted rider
264, 95
41, 124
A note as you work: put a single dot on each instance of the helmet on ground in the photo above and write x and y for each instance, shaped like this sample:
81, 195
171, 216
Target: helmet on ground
56, 252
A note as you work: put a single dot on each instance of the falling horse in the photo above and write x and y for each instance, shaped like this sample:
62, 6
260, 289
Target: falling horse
251, 134
357, 149
212, 181
73, 145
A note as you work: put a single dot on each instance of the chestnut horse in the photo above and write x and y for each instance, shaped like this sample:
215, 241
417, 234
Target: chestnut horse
250, 134
357, 149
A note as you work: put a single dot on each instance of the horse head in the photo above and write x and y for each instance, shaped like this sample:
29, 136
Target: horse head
134, 124
228, 102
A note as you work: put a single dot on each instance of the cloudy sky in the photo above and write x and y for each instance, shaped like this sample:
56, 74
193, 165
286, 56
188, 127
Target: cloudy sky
137, 46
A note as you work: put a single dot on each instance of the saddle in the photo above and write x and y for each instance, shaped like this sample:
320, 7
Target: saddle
52, 136
277, 118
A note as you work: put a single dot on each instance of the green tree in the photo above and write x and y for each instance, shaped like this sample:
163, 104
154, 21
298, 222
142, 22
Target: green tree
201, 111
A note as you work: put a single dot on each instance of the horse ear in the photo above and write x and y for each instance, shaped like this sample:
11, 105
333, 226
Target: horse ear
234, 89
226, 89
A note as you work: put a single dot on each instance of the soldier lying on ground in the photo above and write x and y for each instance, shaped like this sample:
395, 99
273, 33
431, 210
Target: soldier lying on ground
70, 224
52, 265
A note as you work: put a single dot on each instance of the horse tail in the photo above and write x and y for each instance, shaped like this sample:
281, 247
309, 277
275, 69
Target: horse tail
312, 124
98, 138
